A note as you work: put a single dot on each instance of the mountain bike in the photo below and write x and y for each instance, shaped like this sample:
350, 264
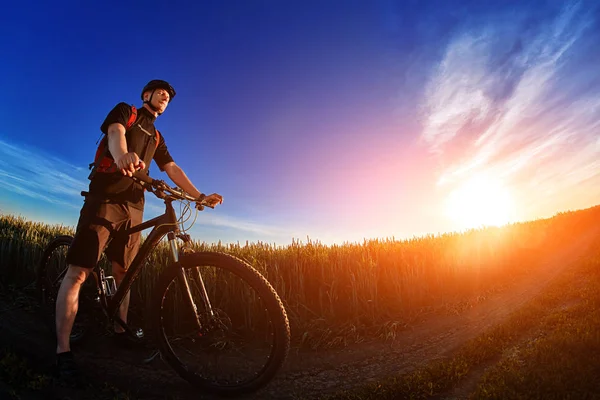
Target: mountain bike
219, 342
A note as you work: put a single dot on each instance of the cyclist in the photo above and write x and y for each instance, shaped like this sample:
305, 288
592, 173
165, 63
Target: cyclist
115, 202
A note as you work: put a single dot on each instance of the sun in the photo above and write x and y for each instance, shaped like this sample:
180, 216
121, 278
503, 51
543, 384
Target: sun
480, 201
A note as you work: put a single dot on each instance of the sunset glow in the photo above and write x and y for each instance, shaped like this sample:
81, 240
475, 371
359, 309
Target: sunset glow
480, 201
337, 121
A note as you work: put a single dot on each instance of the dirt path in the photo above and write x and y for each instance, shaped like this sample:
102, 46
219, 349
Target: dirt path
309, 374
435, 337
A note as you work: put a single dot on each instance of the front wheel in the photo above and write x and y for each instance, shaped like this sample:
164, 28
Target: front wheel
241, 343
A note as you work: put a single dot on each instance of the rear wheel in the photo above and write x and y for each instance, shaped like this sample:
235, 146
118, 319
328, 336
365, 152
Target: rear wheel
242, 344
49, 276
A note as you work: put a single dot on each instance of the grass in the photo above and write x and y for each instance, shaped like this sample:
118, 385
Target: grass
16, 374
561, 360
18, 379
343, 294
549, 349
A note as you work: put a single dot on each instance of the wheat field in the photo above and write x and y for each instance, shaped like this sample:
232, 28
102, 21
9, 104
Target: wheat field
336, 295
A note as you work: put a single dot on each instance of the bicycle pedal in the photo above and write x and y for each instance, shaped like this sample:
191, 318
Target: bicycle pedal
152, 357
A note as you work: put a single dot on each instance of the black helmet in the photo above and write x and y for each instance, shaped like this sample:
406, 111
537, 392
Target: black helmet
158, 84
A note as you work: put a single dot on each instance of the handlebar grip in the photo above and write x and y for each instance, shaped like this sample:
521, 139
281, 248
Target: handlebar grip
143, 177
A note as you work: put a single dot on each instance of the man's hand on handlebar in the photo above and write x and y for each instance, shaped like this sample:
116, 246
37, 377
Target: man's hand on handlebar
159, 187
128, 163
210, 200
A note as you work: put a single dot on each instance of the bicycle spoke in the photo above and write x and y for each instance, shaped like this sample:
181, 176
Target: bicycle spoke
235, 354
241, 335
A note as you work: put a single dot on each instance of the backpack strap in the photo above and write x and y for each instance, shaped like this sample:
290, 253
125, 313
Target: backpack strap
101, 161
157, 141
132, 117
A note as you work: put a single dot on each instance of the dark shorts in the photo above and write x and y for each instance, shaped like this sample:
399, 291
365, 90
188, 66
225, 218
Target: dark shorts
96, 222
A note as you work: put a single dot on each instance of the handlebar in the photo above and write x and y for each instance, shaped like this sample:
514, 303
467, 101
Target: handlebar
161, 190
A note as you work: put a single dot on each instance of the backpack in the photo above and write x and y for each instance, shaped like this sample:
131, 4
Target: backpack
102, 161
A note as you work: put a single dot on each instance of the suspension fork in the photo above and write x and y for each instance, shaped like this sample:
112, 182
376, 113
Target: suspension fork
183, 279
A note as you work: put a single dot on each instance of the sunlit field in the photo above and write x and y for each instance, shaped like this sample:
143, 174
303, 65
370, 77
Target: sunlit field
343, 294
546, 349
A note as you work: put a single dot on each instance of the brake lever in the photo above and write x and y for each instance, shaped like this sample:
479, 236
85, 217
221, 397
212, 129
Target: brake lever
161, 185
200, 206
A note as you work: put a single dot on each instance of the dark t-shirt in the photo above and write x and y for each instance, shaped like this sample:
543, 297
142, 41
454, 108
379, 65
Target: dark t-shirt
141, 139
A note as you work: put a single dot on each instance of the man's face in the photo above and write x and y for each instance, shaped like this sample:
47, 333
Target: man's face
160, 99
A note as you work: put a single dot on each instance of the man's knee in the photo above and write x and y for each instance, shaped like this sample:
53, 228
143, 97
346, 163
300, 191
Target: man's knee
76, 274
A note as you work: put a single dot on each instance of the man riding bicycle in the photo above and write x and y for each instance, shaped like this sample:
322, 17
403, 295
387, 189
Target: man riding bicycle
116, 202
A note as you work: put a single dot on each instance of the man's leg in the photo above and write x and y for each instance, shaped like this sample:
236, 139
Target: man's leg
67, 303
93, 230
119, 273
124, 253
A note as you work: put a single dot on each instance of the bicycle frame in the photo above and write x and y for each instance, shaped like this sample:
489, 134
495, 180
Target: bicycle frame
165, 224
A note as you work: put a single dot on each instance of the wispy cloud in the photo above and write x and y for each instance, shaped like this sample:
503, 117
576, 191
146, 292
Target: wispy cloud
215, 218
247, 226
510, 102
32, 173
29, 172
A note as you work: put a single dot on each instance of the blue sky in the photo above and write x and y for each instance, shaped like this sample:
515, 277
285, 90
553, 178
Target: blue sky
336, 120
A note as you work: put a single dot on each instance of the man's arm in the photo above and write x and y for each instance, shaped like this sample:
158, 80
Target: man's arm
180, 178
117, 145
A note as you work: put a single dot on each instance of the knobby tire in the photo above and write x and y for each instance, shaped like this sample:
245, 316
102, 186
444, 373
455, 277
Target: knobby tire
181, 349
